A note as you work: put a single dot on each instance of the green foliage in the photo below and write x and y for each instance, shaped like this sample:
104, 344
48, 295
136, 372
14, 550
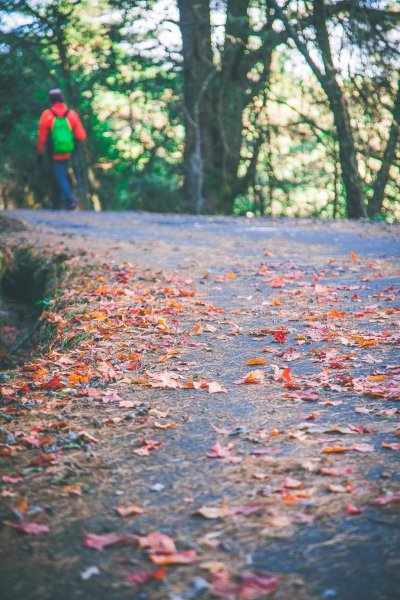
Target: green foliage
128, 91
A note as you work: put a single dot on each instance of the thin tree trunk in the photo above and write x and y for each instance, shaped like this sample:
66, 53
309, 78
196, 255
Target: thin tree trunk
347, 151
340, 110
375, 205
231, 103
195, 26
335, 183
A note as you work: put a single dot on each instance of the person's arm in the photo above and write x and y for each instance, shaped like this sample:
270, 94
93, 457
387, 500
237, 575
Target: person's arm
77, 127
43, 132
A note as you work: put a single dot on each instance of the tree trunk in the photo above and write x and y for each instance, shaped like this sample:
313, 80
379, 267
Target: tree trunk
231, 102
337, 101
375, 205
347, 151
198, 71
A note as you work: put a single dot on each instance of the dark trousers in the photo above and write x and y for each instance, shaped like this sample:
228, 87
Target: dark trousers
60, 172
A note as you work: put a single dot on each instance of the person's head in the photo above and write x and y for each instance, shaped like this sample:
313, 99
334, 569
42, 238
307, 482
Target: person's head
55, 95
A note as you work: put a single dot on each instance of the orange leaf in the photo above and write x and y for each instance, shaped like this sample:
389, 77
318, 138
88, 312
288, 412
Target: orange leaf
187, 293
337, 315
169, 425
22, 505
256, 361
186, 557
72, 489
253, 377
335, 449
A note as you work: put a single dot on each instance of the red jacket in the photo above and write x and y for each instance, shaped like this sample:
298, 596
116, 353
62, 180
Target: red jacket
46, 123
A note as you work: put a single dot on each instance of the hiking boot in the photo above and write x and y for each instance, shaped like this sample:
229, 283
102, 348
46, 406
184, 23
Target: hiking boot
73, 205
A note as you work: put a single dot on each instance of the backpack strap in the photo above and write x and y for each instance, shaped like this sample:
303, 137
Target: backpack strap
58, 116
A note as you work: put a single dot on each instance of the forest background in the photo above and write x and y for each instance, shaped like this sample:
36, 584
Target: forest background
208, 106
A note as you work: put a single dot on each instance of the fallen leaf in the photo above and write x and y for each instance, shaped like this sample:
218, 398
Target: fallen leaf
211, 512
156, 542
53, 384
223, 452
29, 528
354, 510
169, 425
166, 379
338, 489
256, 361
128, 511
282, 374
385, 499
390, 446
335, 471
186, 557
279, 336
213, 566
73, 489
12, 478
249, 586
290, 482
257, 376
216, 388
127, 404
147, 447
277, 282
336, 449
99, 542
144, 577
110, 397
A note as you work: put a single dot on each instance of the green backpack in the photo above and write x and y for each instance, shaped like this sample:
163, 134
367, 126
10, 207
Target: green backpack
61, 135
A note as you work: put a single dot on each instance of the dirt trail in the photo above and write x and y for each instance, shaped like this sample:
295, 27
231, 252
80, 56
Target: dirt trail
292, 472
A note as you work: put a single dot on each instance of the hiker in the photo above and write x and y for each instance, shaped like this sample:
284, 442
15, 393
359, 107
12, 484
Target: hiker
59, 128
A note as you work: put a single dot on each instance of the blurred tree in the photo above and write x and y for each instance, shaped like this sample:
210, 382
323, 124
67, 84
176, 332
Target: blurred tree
309, 26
